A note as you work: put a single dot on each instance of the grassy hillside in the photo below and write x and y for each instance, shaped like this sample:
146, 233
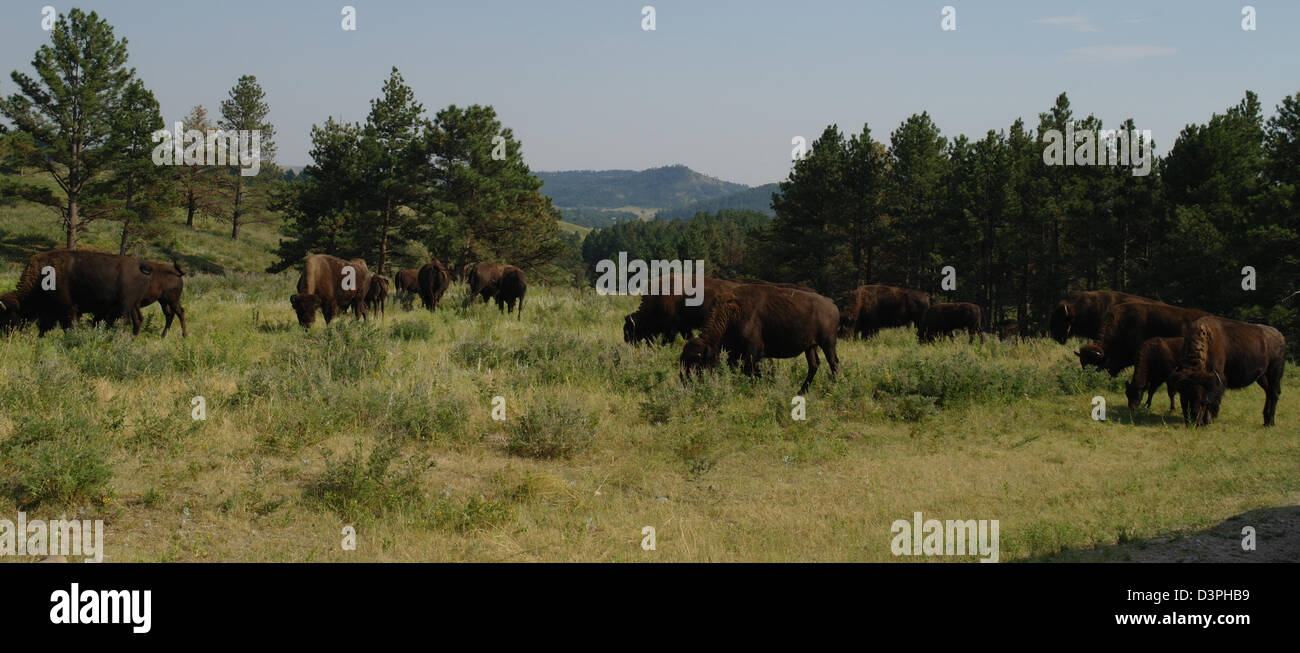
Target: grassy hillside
26, 229
758, 198
656, 187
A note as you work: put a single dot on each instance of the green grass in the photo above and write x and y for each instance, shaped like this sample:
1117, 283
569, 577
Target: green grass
388, 426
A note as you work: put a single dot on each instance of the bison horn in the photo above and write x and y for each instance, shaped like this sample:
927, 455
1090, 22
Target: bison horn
3, 307
1217, 377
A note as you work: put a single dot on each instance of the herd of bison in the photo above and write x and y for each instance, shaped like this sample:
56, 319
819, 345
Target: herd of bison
1198, 356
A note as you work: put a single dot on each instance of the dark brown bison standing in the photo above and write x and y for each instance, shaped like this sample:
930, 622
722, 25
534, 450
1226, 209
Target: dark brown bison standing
166, 283
432, 282
757, 321
58, 286
406, 284
377, 295
1127, 326
944, 319
668, 314
498, 281
1081, 314
512, 289
1219, 354
867, 310
1155, 363
326, 285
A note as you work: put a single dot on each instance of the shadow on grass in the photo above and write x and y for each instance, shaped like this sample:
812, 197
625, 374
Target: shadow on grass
1277, 539
1158, 416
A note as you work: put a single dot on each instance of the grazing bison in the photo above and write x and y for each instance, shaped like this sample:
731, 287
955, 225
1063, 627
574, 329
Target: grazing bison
1155, 363
432, 281
1127, 326
321, 286
377, 295
667, 315
755, 321
58, 286
867, 310
483, 280
1082, 313
407, 283
1219, 354
166, 283
944, 319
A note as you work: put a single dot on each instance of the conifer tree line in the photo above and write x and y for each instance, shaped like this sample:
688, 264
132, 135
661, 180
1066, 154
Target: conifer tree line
396, 189
1019, 233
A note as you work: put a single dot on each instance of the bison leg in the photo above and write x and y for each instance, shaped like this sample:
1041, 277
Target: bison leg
1169, 387
136, 318
833, 358
1272, 384
179, 311
813, 364
168, 314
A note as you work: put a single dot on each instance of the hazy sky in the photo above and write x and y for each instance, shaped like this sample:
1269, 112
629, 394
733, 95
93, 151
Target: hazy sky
721, 86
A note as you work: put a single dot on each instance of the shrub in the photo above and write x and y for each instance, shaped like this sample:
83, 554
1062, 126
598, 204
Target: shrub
552, 432
69, 472
361, 487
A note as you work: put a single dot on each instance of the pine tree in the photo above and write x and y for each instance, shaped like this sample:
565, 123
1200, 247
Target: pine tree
245, 111
68, 110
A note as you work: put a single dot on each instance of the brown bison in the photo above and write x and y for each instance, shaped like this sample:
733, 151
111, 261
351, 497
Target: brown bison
1127, 326
332, 285
1155, 363
1081, 314
512, 289
407, 286
667, 315
496, 281
377, 295
867, 310
58, 286
944, 319
1219, 354
755, 321
166, 283
432, 282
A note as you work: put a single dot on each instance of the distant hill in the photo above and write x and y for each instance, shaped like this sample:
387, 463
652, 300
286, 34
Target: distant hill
758, 198
666, 187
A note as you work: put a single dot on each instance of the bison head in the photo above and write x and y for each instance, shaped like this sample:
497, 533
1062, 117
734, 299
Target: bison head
1133, 390
697, 356
1061, 321
1200, 392
305, 306
1091, 354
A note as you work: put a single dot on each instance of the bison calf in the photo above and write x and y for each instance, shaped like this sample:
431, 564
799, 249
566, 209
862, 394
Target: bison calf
1155, 364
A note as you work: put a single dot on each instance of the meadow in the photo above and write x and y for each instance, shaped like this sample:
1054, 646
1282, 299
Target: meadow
388, 426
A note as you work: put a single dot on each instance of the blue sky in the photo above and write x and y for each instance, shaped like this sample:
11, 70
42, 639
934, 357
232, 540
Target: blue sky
721, 86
